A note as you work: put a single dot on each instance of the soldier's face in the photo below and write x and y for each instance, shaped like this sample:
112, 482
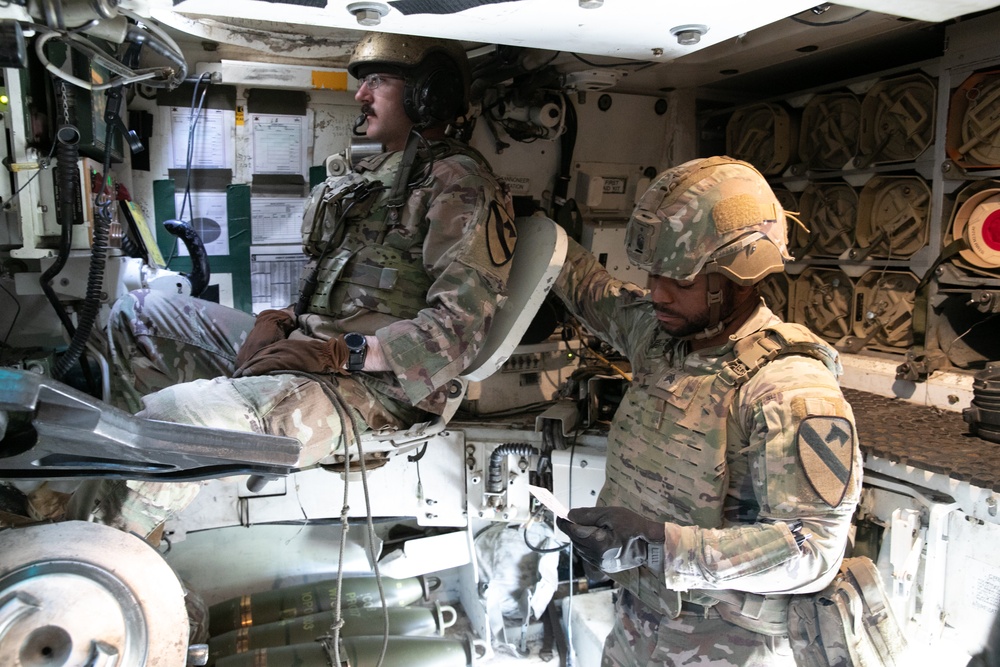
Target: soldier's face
387, 120
682, 305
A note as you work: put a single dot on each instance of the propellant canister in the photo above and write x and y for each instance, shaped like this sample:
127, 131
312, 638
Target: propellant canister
360, 652
293, 601
403, 621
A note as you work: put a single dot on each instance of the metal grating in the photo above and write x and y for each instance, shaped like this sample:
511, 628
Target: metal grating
924, 437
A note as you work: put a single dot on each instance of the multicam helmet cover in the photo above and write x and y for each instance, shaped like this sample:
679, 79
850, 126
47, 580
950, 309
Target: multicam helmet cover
716, 215
408, 55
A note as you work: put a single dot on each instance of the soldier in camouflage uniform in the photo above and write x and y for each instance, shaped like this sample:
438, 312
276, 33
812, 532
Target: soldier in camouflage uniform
410, 252
733, 466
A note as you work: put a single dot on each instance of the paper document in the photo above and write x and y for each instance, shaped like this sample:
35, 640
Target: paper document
546, 498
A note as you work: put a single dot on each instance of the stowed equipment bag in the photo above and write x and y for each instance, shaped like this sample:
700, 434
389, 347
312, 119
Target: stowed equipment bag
847, 624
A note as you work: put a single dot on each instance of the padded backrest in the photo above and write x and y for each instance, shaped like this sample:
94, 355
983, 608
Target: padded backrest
538, 258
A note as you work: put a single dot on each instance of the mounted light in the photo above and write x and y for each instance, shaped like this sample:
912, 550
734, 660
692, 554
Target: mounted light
591, 4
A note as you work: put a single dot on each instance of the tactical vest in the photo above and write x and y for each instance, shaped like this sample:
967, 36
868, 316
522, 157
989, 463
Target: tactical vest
667, 446
366, 260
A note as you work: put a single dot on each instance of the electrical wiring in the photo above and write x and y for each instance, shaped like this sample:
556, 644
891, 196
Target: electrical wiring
625, 374
641, 63
172, 51
192, 126
585, 349
148, 34
546, 63
152, 27
534, 547
352, 431
17, 313
42, 164
82, 45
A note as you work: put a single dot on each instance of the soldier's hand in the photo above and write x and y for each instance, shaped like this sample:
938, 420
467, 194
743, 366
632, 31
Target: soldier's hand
269, 327
614, 538
310, 356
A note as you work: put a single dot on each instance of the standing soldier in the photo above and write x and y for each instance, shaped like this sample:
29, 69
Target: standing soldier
733, 466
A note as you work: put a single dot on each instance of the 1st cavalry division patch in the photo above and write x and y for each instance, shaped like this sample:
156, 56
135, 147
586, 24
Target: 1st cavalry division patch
826, 450
501, 235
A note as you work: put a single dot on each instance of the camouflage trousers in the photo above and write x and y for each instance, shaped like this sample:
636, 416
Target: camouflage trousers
171, 358
642, 637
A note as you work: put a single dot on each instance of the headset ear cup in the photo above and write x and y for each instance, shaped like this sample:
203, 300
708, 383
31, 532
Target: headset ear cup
411, 100
437, 94
442, 95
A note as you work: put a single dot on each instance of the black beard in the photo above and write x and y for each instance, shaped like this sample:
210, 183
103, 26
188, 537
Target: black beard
692, 327
688, 327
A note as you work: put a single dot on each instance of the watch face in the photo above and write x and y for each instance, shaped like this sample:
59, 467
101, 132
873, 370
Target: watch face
355, 341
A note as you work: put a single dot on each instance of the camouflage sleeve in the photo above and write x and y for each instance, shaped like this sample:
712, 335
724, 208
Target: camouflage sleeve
804, 474
467, 251
615, 311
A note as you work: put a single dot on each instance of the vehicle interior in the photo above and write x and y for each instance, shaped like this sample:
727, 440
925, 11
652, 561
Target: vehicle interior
171, 145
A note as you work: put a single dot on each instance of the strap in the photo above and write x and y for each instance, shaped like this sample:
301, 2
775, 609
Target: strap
863, 572
851, 635
400, 185
763, 614
879, 620
949, 251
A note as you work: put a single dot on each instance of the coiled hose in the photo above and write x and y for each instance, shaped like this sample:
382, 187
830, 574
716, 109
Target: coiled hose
95, 284
67, 154
494, 480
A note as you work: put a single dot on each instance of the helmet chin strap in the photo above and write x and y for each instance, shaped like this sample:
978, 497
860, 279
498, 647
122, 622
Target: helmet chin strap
716, 323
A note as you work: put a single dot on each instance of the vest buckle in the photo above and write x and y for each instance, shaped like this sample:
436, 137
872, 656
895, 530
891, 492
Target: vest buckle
734, 373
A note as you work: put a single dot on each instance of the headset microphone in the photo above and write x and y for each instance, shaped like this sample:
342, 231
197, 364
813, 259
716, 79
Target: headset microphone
358, 122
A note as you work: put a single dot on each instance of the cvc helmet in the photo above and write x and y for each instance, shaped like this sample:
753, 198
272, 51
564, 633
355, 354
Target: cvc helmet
716, 215
437, 73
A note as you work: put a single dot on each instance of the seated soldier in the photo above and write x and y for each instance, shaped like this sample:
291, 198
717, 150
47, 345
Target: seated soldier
409, 259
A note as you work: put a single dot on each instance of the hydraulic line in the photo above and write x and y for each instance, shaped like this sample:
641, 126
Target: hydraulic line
494, 480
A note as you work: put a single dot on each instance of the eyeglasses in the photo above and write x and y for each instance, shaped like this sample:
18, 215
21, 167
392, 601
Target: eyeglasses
374, 80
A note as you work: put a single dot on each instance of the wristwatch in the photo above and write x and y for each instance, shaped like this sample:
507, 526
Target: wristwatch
357, 348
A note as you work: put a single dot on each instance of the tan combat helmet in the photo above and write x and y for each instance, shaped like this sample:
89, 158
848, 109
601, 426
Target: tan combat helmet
712, 215
437, 73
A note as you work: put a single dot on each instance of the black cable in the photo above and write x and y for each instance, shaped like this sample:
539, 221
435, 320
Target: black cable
629, 63
67, 155
546, 63
43, 164
17, 312
536, 548
189, 157
539, 405
414, 458
103, 202
137, 35
192, 126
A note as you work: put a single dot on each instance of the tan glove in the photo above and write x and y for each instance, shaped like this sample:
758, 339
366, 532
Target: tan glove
310, 356
270, 327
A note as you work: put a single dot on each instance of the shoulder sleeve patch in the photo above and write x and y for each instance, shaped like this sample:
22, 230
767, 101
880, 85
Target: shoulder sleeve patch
826, 452
500, 235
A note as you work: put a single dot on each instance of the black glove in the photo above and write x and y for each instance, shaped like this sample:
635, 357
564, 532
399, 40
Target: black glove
615, 538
